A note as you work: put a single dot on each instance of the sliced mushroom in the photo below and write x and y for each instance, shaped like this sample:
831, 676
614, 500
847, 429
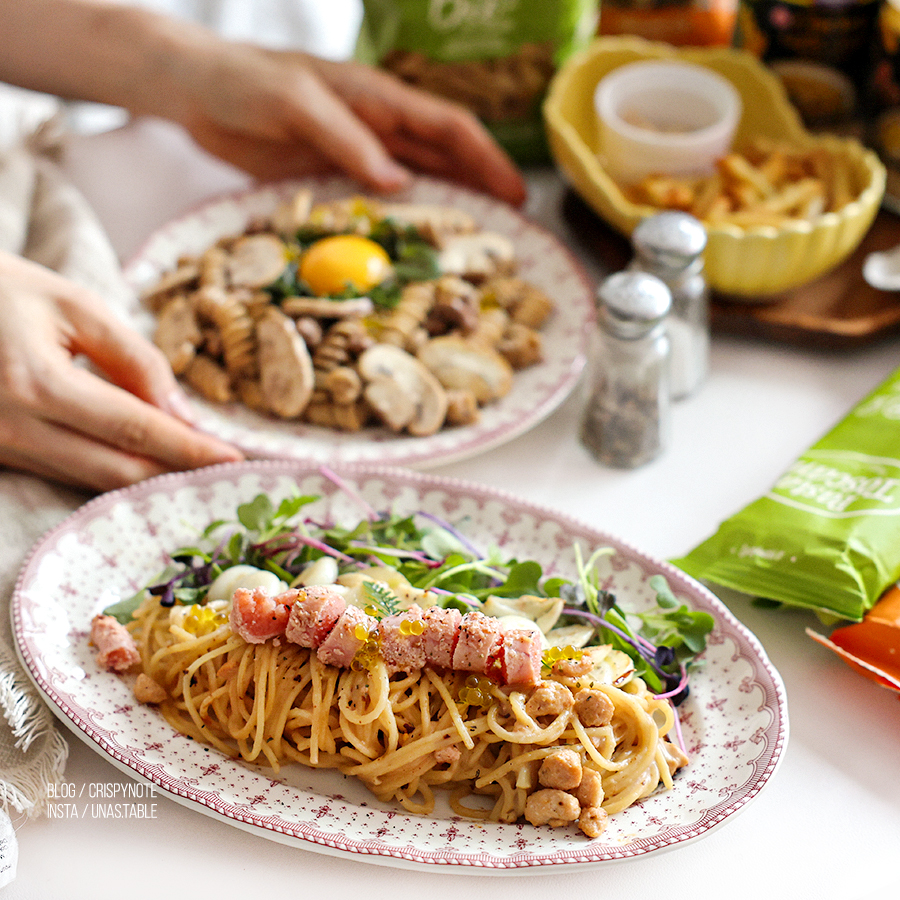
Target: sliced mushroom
542, 611
462, 365
435, 223
477, 256
323, 308
570, 635
177, 333
394, 406
609, 666
285, 367
256, 260
401, 377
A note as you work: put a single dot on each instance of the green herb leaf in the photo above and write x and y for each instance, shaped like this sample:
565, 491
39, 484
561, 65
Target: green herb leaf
382, 598
125, 609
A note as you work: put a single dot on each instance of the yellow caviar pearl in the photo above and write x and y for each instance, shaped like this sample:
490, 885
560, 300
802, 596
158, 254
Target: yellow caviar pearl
201, 620
476, 692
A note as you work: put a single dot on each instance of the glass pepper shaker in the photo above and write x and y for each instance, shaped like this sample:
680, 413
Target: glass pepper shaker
628, 416
670, 246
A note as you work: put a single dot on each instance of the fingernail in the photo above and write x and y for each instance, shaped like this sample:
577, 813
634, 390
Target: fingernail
180, 407
391, 174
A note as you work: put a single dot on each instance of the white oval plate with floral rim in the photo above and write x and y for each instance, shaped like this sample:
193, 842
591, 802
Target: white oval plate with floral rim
734, 723
536, 391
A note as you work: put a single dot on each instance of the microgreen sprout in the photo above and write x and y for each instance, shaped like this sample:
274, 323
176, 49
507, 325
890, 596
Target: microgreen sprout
432, 555
665, 641
382, 600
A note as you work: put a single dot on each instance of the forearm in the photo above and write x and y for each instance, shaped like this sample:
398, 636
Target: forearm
96, 50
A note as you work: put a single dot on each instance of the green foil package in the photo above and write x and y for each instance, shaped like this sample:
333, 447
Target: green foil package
496, 57
827, 535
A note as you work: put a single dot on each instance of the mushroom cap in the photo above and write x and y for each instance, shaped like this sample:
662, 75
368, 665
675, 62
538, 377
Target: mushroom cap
464, 365
390, 365
256, 260
477, 256
285, 367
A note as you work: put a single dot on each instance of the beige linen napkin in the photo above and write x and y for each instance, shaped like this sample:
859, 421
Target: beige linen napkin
44, 218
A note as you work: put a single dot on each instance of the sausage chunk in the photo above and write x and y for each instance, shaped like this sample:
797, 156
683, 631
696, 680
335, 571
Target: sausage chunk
146, 690
549, 698
551, 807
590, 788
592, 821
593, 708
561, 769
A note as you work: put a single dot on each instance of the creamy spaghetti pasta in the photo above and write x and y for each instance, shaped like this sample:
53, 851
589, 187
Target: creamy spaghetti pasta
403, 735
396, 654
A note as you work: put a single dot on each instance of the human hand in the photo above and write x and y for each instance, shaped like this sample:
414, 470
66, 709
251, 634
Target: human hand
279, 114
60, 420
273, 113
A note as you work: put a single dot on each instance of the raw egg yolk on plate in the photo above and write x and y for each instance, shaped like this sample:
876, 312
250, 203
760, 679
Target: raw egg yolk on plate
335, 264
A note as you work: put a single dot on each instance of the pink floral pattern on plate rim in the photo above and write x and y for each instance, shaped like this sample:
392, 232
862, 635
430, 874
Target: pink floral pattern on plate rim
536, 392
735, 722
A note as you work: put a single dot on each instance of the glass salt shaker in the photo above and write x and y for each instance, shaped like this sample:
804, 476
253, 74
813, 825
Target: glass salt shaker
670, 246
628, 416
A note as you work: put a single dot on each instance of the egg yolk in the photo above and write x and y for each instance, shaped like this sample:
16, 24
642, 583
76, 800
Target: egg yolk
335, 264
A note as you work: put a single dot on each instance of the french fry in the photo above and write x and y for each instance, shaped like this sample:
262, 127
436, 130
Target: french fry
794, 196
743, 175
765, 184
708, 196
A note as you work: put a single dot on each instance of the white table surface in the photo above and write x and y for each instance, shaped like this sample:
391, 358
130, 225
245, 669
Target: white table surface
828, 824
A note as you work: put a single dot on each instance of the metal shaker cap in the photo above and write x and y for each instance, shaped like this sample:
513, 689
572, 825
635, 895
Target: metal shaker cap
672, 239
633, 303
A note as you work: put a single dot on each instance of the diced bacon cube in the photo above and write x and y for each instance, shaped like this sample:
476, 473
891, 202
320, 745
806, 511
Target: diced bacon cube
116, 649
479, 638
258, 616
313, 615
339, 648
440, 636
521, 656
402, 649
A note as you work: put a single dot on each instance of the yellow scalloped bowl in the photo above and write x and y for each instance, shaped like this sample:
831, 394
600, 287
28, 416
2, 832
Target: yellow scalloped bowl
749, 264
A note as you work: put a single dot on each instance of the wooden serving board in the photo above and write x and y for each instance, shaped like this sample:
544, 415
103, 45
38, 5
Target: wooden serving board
836, 310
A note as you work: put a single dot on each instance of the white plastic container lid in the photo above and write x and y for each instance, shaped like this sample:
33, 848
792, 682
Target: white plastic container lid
668, 118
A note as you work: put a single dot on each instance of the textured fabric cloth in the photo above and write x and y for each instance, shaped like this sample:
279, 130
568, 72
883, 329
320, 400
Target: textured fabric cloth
43, 218
9, 850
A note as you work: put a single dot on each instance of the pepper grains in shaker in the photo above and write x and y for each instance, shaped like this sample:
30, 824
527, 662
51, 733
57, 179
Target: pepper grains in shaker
670, 246
628, 416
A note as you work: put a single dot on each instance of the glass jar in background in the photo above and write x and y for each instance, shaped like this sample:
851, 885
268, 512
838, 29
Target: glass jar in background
822, 50
884, 118
627, 420
699, 23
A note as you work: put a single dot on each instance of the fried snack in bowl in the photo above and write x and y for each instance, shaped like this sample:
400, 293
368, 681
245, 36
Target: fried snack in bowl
758, 254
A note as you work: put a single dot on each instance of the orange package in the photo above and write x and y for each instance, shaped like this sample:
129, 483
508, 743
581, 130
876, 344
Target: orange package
871, 647
699, 23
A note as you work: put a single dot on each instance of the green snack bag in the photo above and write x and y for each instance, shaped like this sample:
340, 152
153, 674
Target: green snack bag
496, 57
827, 536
